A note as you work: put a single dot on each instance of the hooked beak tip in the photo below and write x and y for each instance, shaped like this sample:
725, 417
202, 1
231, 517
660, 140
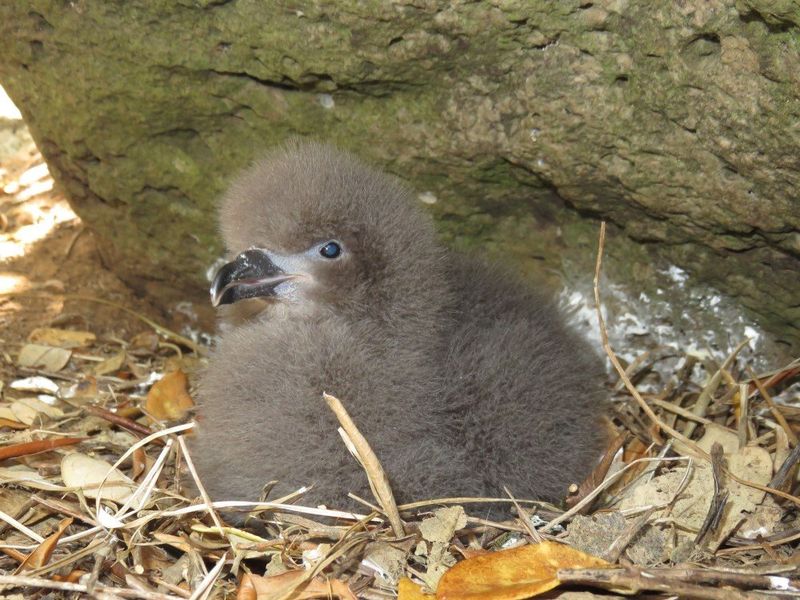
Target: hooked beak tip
252, 274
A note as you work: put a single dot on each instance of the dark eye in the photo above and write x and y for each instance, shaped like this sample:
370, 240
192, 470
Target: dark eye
331, 250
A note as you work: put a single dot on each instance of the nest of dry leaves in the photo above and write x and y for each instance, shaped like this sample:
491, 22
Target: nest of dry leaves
694, 496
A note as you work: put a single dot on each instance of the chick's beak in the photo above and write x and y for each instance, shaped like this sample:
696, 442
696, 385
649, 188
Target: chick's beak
251, 274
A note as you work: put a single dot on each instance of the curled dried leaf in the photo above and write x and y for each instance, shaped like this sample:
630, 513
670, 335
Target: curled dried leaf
169, 398
408, 590
513, 574
41, 555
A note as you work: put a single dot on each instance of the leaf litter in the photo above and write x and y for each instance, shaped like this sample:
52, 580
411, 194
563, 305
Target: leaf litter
694, 497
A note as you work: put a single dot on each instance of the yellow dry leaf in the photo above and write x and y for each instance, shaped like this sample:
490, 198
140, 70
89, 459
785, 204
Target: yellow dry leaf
168, 399
513, 574
63, 338
110, 365
408, 590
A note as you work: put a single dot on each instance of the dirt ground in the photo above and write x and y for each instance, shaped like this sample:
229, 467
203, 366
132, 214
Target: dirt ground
50, 268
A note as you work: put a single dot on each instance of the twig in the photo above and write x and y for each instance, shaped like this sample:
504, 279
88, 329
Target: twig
199, 484
679, 410
20, 527
615, 361
608, 482
689, 583
641, 401
720, 499
626, 537
525, 519
35, 582
377, 476
704, 400
597, 475
783, 476
744, 411
28, 448
123, 422
773, 407
72, 240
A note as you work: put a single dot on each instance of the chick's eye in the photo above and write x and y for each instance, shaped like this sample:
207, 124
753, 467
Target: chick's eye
331, 250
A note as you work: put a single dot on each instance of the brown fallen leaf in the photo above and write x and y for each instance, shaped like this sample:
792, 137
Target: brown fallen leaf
147, 340
254, 587
513, 574
169, 399
63, 338
408, 590
41, 356
598, 474
781, 376
71, 577
139, 463
40, 556
36, 447
110, 365
82, 391
11, 423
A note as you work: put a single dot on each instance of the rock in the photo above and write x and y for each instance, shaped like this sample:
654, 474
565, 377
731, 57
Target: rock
673, 120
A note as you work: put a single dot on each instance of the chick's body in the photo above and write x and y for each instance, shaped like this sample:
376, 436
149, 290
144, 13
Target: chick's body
462, 379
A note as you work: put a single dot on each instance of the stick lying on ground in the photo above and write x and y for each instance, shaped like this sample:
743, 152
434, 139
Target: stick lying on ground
378, 482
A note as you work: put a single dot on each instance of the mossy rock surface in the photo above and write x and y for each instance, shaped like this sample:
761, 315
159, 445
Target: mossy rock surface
678, 121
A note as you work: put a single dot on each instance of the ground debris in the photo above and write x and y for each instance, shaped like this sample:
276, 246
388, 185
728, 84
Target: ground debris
133, 528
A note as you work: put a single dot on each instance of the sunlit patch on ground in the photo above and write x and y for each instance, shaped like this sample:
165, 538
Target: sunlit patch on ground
7, 108
47, 256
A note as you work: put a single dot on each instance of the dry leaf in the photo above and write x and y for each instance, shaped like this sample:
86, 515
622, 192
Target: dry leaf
147, 340
763, 522
513, 574
28, 477
139, 462
49, 358
85, 472
82, 391
270, 588
21, 412
11, 423
63, 338
386, 560
729, 440
408, 590
689, 511
71, 577
39, 405
110, 365
439, 530
41, 556
36, 447
29, 411
168, 399
443, 524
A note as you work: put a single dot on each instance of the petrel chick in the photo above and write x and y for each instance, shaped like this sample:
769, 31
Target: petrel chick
462, 378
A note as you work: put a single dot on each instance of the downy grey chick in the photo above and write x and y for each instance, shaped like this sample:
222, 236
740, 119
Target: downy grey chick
461, 377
